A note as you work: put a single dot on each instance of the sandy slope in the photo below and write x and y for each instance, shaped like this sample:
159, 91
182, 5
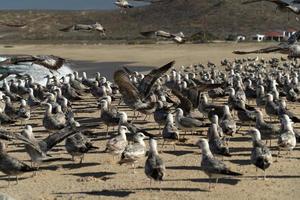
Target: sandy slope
99, 177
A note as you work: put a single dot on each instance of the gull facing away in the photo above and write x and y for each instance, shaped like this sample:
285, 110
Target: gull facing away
290, 47
290, 5
85, 27
176, 37
211, 166
154, 167
117, 145
261, 155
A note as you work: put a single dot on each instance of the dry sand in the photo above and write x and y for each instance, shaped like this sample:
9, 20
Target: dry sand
99, 177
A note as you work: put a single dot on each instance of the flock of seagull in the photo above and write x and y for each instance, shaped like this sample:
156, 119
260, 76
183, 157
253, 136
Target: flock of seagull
178, 102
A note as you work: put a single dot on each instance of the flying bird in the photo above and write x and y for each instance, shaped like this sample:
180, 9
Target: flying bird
290, 47
283, 5
50, 62
85, 27
176, 37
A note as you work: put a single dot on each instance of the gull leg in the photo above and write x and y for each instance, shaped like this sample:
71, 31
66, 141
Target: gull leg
162, 146
106, 131
265, 175
17, 180
82, 158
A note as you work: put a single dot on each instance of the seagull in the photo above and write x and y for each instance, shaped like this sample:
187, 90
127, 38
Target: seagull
291, 5
12, 166
216, 144
37, 150
170, 131
53, 122
154, 167
211, 166
227, 122
85, 27
133, 152
176, 37
261, 155
187, 123
291, 47
133, 96
123, 4
77, 145
50, 62
287, 138
117, 145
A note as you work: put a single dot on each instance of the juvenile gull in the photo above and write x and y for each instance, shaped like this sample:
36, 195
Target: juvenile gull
154, 167
77, 145
227, 122
216, 144
211, 166
12, 166
45, 145
261, 155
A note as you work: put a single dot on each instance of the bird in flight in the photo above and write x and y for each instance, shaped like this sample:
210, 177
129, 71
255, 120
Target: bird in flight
290, 47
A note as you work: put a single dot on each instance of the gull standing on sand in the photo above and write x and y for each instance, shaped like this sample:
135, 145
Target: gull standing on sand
211, 166
261, 155
117, 145
216, 144
133, 152
170, 131
12, 166
287, 138
187, 123
154, 167
37, 150
77, 145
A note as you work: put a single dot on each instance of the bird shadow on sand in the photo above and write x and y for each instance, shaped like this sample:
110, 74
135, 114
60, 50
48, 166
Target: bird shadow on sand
184, 167
240, 149
105, 193
178, 152
227, 181
240, 139
275, 177
93, 174
78, 165
168, 189
240, 162
11, 179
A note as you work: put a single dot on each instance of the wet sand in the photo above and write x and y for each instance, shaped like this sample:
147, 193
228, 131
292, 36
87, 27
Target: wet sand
99, 177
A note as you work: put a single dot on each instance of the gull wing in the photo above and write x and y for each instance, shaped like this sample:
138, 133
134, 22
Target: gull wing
50, 62
12, 25
126, 88
278, 2
264, 50
149, 80
68, 28
293, 38
185, 104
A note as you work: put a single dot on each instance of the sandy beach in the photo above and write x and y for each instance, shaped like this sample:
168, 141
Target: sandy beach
107, 58
99, 177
